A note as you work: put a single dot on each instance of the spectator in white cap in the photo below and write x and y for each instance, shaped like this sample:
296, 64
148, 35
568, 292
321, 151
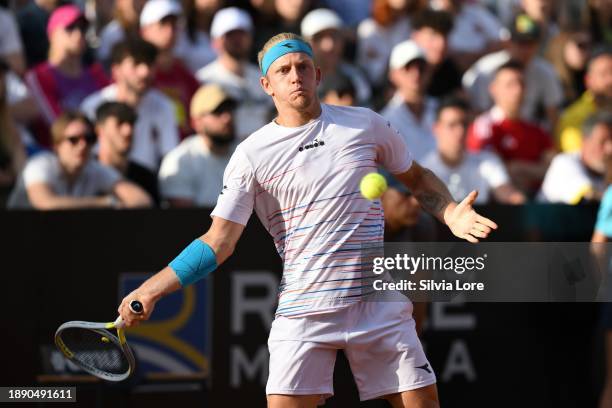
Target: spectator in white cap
410, 111
323, 29
159, 26
232, 35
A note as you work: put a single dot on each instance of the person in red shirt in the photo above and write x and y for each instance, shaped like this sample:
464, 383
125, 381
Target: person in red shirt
159, 26
526, 149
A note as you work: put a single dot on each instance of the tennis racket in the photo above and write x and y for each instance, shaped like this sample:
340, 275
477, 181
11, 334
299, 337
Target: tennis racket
95, 349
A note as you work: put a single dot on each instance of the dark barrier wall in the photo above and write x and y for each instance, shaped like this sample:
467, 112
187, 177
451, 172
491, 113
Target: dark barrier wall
60, 266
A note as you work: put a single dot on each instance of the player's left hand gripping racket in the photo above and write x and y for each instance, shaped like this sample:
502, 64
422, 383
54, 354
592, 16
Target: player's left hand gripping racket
95, 349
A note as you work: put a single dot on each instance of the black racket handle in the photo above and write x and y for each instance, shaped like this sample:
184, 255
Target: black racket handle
136, 307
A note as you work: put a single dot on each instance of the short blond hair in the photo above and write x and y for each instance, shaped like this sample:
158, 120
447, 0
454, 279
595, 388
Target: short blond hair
274, 40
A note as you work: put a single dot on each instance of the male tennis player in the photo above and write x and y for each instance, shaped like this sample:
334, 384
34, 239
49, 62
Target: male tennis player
301, 174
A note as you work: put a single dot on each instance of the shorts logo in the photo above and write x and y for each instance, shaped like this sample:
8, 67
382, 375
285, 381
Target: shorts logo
315, 143
425, 367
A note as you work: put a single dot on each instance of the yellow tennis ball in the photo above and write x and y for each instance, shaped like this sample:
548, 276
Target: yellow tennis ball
372, 186
105, 339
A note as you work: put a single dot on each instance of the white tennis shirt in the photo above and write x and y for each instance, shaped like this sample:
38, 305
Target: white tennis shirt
303, 183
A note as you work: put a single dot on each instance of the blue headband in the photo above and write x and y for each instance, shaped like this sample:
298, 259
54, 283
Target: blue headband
282, 48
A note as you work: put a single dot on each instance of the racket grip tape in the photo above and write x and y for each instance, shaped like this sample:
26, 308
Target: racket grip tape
136, 307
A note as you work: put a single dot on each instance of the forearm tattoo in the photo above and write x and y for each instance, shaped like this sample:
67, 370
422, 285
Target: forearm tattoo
435, 196
432, 202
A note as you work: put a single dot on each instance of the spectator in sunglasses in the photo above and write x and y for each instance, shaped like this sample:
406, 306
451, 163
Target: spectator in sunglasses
62, 82
67, 178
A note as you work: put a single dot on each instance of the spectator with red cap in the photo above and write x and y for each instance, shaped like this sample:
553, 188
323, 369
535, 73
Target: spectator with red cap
159, 26
62, 82
525, 148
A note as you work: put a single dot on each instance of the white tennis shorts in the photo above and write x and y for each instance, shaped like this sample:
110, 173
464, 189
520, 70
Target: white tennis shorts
378, 338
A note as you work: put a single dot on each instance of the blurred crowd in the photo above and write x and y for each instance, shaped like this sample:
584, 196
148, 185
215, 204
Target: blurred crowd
140, 103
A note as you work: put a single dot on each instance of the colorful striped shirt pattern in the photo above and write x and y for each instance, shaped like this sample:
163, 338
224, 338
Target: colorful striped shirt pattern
303, 184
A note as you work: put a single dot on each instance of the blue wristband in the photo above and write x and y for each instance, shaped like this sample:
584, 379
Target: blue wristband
194, 263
